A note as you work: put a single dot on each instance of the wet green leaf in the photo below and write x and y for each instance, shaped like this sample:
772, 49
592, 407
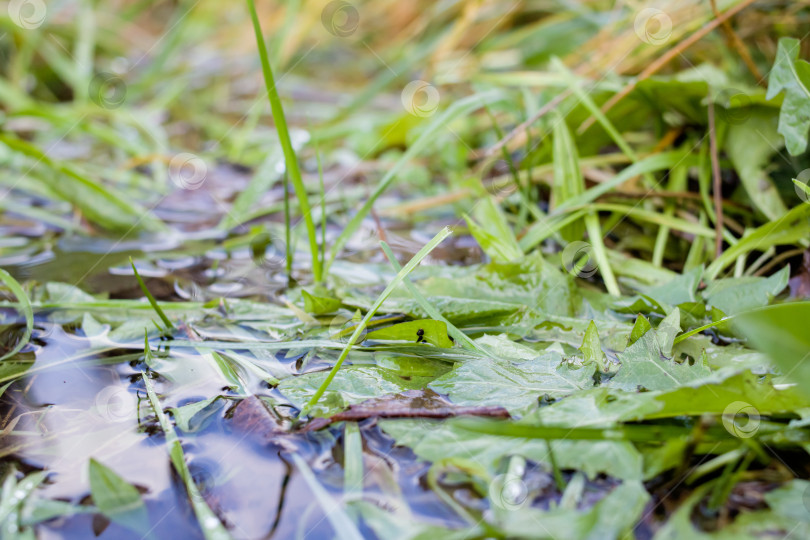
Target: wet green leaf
434, 441
320, 305
735, 295
644, 366
791, 76
116, 498
780, 332
641, 327
427, 330
513, 384
489, 227
190, 418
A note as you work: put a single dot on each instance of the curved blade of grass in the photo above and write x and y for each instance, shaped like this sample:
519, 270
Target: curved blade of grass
399, 278
539, 231
459, 108
25, 307
600, 253
434, 313
791, 228
151, 298
286, 144
211, 527
700, 329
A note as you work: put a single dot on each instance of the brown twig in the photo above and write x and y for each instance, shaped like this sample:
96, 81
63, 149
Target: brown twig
356, 414
666, 58
716, 187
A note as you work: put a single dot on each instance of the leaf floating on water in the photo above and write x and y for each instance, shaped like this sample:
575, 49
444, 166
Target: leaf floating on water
117, 499
425, 330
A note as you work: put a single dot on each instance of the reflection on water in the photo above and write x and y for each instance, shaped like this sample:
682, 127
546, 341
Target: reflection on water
83, 398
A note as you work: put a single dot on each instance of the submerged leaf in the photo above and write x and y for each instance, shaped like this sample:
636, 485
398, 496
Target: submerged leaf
117, 499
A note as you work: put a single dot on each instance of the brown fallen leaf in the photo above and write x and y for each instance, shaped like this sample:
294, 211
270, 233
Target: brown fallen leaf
408, 404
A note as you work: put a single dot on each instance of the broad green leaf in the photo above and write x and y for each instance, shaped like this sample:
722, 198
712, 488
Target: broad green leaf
640, 327
592, 350
430, 331
320, 305
790, 500
515, 385
492, 232
780, 331
750, 146
676, 291
644, 366
735, 295
494, 290
401, 275
667, 330
435, 441
791, 75
605, 407
116, 498
425, 304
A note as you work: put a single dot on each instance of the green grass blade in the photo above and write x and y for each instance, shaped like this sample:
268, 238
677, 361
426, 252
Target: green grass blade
286, 144
25, 307
431, 310
600, 254
151, 298
399, 278
568, 179
352, 459
211, 527
793, 227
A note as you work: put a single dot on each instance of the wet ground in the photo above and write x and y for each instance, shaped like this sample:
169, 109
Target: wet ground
83, 396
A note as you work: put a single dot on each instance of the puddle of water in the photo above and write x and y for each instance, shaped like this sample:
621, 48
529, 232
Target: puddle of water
96, 407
